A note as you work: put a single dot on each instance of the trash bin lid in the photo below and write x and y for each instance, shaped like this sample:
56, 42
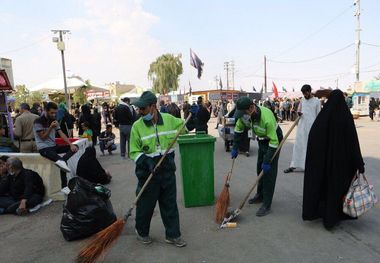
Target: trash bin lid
195, 138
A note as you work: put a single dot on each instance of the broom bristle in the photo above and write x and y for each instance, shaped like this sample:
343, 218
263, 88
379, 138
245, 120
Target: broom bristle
222, 205
101, 242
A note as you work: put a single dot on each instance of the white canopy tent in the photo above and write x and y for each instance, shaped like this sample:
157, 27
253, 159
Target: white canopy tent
56, 84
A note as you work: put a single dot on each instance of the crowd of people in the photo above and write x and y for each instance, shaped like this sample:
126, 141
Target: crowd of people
322, 125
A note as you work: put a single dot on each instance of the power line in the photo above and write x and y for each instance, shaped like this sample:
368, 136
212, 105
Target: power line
24, 47
315, 32
315, 58
371, 45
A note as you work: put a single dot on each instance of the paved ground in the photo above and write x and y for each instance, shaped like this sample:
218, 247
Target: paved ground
279, 237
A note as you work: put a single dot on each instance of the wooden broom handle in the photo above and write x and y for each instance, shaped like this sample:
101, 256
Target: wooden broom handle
274, 156
159, 162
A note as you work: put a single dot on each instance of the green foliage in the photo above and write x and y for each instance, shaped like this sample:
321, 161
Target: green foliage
80, 93
57, 97
22, 94
165, 72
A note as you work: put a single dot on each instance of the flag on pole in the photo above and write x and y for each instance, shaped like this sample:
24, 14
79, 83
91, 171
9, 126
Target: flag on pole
196, 62
253, 87
190, 88
275, 91
220, 83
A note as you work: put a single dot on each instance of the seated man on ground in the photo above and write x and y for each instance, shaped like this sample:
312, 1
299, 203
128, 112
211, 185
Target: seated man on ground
90, 169
45, 128
6, 143
21, 189
107, 140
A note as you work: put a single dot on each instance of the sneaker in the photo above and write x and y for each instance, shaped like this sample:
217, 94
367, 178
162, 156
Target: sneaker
65, 190
178, 242
263, 211
257, 199
63, 166
35, 209
145, 240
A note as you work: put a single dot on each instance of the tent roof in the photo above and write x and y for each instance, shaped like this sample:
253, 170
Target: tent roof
56, 84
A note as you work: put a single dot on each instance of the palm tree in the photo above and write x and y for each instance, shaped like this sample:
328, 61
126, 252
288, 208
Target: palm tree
165, 72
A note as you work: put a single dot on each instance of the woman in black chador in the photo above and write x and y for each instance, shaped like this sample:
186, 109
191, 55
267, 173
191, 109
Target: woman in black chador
333, 158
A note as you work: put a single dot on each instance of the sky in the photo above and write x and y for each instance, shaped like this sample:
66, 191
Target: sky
116, 40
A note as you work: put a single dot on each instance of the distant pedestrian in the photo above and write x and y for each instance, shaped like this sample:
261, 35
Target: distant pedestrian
124, 116
23, 130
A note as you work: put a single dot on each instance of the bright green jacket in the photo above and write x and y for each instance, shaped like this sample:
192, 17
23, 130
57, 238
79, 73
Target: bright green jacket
265, 128
152, 140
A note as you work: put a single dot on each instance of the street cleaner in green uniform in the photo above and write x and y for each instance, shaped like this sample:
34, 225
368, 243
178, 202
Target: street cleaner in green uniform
269, 135
150, 137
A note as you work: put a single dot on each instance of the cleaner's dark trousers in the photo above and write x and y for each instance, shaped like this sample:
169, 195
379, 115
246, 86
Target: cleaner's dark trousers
267, 183
161, 188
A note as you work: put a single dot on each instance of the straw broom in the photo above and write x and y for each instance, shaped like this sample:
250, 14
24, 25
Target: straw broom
104, 239
223, 201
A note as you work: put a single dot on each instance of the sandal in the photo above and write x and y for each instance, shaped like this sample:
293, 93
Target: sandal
289, 170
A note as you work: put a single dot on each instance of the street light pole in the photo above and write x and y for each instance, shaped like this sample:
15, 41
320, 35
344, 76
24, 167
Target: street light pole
61, 47
357, 14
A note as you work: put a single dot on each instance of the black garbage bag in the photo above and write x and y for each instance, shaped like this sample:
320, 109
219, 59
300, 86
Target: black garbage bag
87, 209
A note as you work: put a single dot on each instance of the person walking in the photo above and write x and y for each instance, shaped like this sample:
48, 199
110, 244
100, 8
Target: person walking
263, 123
372, 107
308, 109
23, 130
124, 116
202, 117
151, 135
97, 117
332, 160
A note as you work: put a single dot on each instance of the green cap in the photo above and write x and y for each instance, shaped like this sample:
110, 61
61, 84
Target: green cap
146, 99
242, 105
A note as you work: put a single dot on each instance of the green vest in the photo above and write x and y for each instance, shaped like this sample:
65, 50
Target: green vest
264, 128
153, 140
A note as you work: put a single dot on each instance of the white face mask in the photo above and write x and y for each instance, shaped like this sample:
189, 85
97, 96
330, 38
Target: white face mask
246, 117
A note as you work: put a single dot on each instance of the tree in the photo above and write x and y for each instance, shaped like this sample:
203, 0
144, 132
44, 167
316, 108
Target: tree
165, 72
22, 94
80, 95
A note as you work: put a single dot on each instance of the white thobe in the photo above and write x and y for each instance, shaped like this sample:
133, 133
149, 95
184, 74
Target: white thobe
310, 109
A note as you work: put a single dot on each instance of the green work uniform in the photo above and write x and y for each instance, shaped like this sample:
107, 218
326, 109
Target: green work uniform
269, 136
147, 143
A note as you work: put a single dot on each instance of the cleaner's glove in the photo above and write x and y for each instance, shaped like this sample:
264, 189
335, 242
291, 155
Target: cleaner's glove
265, 167
234, 153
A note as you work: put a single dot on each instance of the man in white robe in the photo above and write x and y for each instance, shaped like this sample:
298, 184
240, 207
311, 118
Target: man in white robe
308, 109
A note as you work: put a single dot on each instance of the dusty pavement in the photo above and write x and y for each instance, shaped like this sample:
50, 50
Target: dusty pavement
281, 236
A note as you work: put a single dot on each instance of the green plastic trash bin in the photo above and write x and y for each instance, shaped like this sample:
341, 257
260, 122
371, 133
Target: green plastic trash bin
197, 169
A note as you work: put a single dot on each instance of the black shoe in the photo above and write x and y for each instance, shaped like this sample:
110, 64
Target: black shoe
178, 242
263, 211
257, 199
289, 170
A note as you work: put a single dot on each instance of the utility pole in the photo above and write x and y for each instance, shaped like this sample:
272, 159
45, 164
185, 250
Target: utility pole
61, 47
226, 67
357, 65
216, 78
232, 63
265, 74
